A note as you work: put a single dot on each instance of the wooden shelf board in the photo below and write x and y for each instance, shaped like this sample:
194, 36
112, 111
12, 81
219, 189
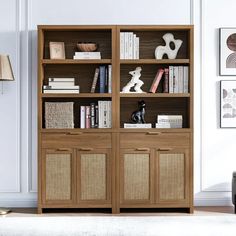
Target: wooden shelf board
154, 61
182, 130
77, 61
154, 95
76, 130
79, 95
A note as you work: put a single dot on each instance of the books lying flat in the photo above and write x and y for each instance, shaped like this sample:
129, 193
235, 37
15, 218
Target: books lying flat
137, 126
60, 91
168, 126
61, 86
87, 55
61, 79
169, 121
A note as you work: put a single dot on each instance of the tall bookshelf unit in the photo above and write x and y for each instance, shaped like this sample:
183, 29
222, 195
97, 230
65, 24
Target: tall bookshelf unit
115, 167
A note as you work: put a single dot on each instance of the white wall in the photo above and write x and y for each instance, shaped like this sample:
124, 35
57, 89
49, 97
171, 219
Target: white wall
214, 159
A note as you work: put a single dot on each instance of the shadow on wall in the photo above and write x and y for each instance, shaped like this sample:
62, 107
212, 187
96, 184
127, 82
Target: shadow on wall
221, 187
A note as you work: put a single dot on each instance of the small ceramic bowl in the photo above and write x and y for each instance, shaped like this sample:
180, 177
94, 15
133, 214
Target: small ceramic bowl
87, 47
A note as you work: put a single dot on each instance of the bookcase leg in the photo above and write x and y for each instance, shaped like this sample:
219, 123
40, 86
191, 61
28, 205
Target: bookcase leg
115, 210
191, 210
40, 210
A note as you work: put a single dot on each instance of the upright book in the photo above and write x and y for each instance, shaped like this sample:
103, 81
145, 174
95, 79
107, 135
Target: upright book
156, 81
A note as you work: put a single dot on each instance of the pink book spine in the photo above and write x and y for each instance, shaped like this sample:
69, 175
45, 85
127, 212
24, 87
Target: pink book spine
87, 114
156, 81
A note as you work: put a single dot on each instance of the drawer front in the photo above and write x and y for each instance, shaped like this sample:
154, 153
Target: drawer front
76, 140
155, 140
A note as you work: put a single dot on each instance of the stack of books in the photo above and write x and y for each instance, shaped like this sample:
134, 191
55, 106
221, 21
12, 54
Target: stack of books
87, 55
103, 74
129, 45
61, 85
169, 121
96, 115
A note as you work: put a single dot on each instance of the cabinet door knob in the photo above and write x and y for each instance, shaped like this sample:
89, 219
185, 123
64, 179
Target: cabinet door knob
165, 149
86, 149
153, 133
62, 149
142, 149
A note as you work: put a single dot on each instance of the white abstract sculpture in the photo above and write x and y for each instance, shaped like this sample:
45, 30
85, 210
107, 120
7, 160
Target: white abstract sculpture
135, 81
171, 53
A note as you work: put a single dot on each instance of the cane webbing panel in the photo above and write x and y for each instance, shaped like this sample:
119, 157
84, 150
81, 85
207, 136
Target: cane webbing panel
136, 176
58, 176
171, 173
93, 176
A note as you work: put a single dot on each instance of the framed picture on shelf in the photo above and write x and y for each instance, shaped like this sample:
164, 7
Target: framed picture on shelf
57, 50
228, 103
227, 51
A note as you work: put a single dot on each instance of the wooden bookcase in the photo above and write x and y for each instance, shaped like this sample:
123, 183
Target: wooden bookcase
116, 167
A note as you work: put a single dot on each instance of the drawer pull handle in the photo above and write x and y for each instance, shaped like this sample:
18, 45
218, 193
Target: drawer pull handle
72, 133
63, 149
86, 149
142, 149
153, 133
164, 149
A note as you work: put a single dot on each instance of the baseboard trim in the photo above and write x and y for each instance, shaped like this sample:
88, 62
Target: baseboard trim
18, 203
226, 201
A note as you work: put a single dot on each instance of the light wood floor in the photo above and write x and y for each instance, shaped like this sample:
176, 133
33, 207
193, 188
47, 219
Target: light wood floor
207, 211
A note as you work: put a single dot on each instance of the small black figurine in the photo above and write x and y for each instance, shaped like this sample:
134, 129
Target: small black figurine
138, 116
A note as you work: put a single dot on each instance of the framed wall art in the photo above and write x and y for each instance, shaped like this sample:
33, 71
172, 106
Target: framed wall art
228, 103
227, 51
57, 50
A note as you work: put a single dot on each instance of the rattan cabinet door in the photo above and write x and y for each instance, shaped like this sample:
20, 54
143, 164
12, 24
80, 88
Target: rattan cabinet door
136, 177
58, 170
94, 177
172, 176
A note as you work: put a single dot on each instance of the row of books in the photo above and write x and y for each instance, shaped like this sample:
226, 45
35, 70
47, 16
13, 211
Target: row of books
61, 85
103, 74
87, 55
129, 45
176, 80
96, 115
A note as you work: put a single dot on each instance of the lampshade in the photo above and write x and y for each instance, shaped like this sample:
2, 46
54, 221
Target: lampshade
5, 68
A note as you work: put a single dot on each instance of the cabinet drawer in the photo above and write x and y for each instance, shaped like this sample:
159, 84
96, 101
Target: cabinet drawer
153, 139
76, 140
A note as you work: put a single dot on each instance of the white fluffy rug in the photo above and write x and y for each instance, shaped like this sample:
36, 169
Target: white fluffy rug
119, 226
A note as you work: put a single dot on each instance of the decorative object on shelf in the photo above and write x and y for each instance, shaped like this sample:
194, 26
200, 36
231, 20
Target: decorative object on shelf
57, 50
59, 115
228, 104
138, 116
227, 51
6, 73
171, 53
134, 82
87, 47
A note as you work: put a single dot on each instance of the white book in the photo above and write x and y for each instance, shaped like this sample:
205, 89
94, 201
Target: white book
76, 91
130, 45
137, 126
61, 79
176, 79
171, 79
137, 48
168, 117
168, 126
186, 79
87, 57
134, 46
126, 42
122, 45
109, 114
109, 78
82, 117
100, 114
105, 115
60, 86
181, 79
95, 54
